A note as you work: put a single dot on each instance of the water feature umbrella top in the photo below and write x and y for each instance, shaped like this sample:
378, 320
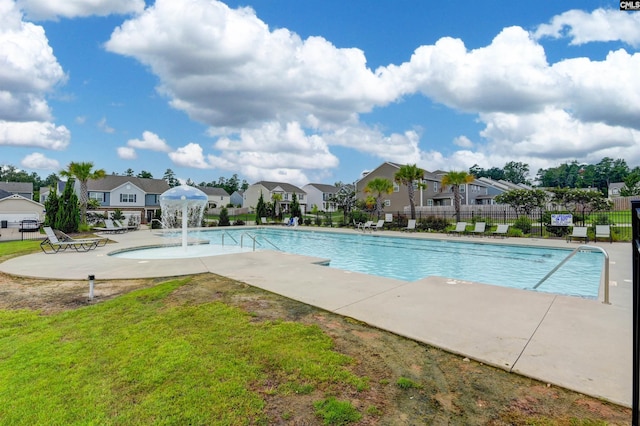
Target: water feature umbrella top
183, 193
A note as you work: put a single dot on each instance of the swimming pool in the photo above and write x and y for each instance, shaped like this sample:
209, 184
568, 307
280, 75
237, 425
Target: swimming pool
411, 259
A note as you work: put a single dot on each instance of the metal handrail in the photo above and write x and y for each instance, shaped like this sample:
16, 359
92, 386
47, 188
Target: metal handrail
582, 247
155, 220
255, 240
230, 236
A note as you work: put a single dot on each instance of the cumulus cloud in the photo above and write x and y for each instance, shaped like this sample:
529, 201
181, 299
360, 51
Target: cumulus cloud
190, 155
225, 68
35, 134
28, 72
277, 103
601, 25
149, 141
127, 153
54, 9
39, 161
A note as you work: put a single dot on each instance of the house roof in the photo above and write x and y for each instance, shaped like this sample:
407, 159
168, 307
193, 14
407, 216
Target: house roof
210, 190
4, 194
14, 187
323, 187
285, 186
110, 182
21, 198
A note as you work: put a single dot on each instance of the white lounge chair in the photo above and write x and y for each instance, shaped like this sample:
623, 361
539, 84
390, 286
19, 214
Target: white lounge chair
110, 227
603, 231
502, 231
378, 226
411, 225
579, 232
364, 226
479, 229
461, 228
122, 225
52, 244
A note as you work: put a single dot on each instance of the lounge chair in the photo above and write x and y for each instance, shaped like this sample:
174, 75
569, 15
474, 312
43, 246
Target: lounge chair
52, 244
502, 231
461, 228
378, 226
579, 232
364, 226
122, 225
603, 231
479, 229
100, 242
388, 217
411, 225
110, 227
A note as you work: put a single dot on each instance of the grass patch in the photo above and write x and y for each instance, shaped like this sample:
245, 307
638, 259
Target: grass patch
334, 412
405, 383
11, 249
140, 360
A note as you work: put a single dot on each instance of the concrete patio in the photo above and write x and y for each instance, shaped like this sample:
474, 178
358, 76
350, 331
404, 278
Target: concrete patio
580, 344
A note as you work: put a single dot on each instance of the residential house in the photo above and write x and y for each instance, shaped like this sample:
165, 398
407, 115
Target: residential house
267, 189
614, 189
236, 198
15, 208
134, 196
218, 197
430, 192
24, 189
319, 195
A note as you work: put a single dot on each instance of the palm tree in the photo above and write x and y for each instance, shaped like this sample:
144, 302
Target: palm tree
455, 179
83, 172
379, 186
407, 175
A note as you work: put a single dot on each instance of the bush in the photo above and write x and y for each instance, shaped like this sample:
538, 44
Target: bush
602, 219
239, 222
514, 232
434, 223
307, 221
523, 223
224, 217
358, 216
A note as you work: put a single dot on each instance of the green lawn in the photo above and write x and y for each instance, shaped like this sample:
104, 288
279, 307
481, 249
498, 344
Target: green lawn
140, 359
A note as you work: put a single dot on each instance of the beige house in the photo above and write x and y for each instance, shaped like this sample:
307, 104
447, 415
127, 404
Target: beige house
15, 208
267, 189
217, 197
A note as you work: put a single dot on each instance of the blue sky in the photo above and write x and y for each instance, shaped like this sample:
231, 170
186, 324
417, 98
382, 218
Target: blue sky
315, 90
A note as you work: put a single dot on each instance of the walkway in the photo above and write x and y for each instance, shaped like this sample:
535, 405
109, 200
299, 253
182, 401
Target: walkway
579, 344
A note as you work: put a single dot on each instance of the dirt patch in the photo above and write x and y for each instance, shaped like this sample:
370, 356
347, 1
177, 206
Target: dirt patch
447, 389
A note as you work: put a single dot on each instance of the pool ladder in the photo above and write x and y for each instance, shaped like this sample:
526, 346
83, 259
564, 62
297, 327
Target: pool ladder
253, 238
573, 253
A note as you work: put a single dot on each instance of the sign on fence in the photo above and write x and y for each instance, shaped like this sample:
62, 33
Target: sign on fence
561, 220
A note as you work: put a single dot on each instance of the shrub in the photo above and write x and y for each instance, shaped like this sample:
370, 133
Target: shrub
239, 222
514, 232
434, 223
307, 221
523, 223
358, 216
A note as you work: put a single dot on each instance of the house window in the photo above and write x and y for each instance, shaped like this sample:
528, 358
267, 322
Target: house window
430, 202
301, 197
387, 203
285, 196
436, 186
97, 196
127, 198
396, 187
462, 188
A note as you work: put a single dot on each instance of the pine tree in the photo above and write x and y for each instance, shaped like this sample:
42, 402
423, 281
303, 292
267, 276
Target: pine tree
224, 217
68, 214
294, 207
261, 210
51, 208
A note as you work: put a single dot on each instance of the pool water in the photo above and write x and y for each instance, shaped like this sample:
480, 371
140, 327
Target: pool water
411, 259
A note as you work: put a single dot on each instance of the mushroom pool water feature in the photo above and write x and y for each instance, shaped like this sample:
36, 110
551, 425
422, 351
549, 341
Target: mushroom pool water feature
183, 202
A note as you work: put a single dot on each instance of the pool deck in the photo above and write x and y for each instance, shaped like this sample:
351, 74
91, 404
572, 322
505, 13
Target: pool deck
579, 344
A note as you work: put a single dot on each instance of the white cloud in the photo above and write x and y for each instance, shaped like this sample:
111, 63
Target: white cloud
33, 133
28, 72
103, 126
463, 142
28, 68
54, 9
225, 68
601, 25
127, 153
190, 155
39, 161
149, 141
